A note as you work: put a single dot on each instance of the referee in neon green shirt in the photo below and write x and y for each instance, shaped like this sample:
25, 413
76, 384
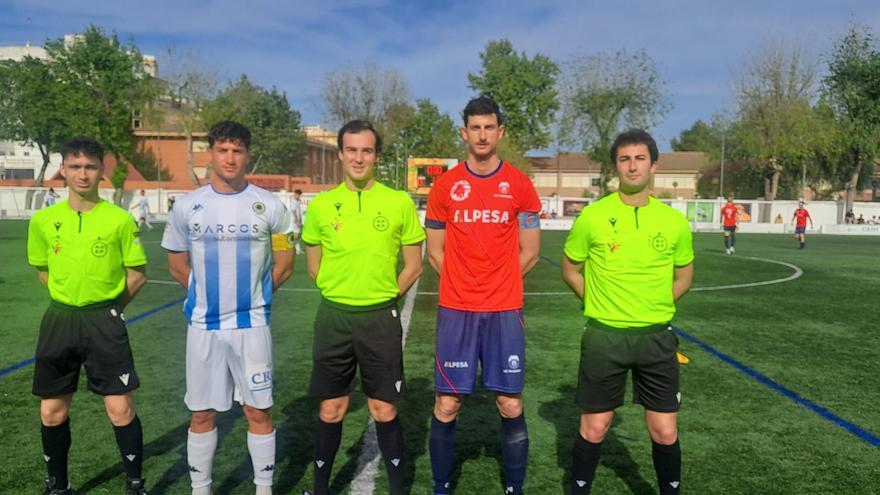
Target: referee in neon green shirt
88, 253
629, 257
353, 235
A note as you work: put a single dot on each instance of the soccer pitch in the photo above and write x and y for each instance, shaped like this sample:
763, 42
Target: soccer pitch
780, 395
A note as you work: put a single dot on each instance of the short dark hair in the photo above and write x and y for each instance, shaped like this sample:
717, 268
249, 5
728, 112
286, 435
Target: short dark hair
229, 130
357, 127
297, 191
635, 136
82, 146
482, 105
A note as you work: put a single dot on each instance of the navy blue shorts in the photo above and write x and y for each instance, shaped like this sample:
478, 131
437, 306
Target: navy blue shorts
466, 338
731, 229
800, 230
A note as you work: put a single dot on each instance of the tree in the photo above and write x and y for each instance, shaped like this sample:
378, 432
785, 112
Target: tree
371, 93
852, 87
188, 85
524, 89
278, 146
31, 108
778, 122
90, 84
602, 95
427, 133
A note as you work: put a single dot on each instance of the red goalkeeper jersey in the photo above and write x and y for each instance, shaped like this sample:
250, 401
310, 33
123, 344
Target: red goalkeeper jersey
481, 252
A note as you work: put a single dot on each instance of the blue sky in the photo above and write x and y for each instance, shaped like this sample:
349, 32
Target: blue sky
699, 46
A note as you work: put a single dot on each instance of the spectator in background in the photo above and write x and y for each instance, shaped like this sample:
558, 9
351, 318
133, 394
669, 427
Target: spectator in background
850, 217
861, 219
778, 218
51, 197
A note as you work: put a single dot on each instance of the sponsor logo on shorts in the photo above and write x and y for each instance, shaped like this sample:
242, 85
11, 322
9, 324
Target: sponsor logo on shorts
261, 380
456, 364
513, 363
124, 378
397, 385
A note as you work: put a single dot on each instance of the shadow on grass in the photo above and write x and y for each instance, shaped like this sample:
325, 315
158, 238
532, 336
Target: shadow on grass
173, 439
565, 414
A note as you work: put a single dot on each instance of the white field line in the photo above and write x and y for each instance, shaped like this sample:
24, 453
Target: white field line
413, 292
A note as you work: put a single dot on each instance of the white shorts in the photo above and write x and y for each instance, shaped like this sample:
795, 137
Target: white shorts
222, 365
297, 229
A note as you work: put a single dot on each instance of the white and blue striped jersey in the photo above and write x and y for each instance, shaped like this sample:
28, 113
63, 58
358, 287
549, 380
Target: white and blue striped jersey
228, 237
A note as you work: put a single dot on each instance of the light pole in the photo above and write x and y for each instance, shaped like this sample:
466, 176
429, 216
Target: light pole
723, 136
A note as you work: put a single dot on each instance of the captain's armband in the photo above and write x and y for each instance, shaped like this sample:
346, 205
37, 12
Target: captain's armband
529, 220
283, 242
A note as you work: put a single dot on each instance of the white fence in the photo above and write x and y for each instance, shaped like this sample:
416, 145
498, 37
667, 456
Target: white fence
705, 215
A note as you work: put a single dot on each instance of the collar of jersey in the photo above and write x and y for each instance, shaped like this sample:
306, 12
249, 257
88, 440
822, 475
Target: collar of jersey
490, 174
366, 192
70, 209
243, 189
620, 203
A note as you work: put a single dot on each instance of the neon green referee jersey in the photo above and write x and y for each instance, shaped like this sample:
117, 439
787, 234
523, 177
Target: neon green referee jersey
360, 234
86, 253
629, 255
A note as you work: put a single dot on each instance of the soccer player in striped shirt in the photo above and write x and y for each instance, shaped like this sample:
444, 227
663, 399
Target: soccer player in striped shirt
230, 245
483, 231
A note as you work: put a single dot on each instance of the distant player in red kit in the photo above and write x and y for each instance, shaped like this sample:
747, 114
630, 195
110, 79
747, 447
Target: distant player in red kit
728, 219
801, 215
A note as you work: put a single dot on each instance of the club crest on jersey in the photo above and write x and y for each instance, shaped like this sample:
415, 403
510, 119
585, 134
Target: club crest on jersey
380, 223
612, 246
460, 190
504, 187
659, 243
258, 207
99, 248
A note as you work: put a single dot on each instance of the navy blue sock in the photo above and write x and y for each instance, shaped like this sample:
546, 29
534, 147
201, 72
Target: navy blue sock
442, 448
390, 438
130, 439
733, 239
327, 438
667, 465
514, 452
727, 242
56, 445
586, 460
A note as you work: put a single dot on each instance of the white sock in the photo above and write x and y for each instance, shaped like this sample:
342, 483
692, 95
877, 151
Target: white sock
262, 450
200, 449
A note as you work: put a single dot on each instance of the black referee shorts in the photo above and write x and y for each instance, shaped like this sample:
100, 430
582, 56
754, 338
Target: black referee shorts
348, 337
607, 354
94, 336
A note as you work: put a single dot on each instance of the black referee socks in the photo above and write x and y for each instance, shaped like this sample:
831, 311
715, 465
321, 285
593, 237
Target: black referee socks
667, 464
327, 438
586, 460
390, 438
130, 439
56, 445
